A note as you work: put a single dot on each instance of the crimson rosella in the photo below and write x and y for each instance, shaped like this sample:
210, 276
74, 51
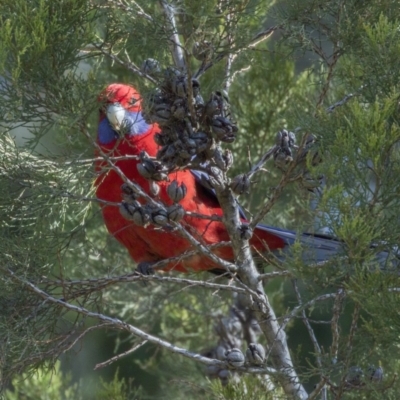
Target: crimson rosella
122, 107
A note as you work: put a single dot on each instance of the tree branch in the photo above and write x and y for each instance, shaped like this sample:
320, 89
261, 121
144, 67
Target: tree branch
175, 43
263, 311
119, 356
118, 324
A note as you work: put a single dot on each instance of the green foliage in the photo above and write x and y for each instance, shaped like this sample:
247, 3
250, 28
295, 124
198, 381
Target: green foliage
37, 228
117, 389
359, 143
55, 385
249, 387
50, 385
38, 61
261, 99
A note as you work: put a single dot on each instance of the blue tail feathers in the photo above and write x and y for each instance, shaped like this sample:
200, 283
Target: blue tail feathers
316, 248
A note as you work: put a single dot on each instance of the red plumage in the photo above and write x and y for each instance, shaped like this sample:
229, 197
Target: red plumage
152, 244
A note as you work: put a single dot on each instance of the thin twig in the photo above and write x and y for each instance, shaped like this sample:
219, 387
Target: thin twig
119, 356
84, 333
337, 307
128, 65
320, 386
262, 161
275, 274
326, 86
317, 347
121, 5
299, 308
311, 333
238, 72
345, 99
213, 217
257, 39
349, 348
277, 191
96, 159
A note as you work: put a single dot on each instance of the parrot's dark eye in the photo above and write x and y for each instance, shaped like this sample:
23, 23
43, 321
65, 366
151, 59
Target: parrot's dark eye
133, 101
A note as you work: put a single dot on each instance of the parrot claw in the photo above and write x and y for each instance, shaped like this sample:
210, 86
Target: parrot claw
145, 268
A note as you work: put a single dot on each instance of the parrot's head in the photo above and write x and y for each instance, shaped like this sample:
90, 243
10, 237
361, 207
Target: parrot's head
120, 114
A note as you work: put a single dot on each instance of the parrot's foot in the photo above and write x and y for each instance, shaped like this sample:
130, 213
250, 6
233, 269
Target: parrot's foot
145, 268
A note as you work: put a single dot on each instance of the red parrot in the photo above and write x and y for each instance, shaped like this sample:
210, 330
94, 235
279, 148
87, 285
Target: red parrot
147, 245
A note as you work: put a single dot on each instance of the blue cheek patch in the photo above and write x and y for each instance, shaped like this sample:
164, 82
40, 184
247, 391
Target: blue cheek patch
106, 133
135, 123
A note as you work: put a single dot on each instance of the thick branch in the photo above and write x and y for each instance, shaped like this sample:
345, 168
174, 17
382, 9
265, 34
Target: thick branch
175, 43
263, 310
